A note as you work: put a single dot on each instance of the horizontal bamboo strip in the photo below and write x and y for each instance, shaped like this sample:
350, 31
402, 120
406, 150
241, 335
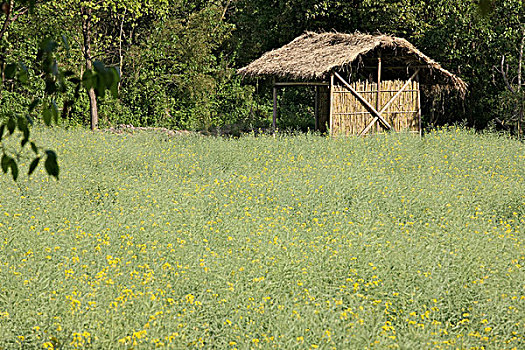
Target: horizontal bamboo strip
351, 113
370, 92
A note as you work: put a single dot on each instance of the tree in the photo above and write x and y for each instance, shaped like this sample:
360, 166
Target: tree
56, 82
91, 16
513, 99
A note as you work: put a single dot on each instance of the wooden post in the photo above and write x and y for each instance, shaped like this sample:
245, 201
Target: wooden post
316, 112
378, 82
378, 95
419, 104
331, 113
274, 123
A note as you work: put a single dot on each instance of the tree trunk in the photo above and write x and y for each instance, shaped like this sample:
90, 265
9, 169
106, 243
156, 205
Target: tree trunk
86, 32
521, 101
121, 57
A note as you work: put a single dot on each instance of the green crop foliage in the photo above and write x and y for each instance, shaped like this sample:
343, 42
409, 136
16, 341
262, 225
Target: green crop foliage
291, 242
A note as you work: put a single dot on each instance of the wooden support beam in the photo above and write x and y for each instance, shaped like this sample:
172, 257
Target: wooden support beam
363, 101
397, 67
274, 123
316, 110
298, 83
419, 105
331, 112
378, 81
389, 103
400, 91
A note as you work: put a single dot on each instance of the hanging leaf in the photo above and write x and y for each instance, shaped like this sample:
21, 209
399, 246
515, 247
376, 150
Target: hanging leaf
11, 125
34, 104
485, 7
10, 70
66, 44
34, 147
87, 79
47, 114
14, 169
23, 73
5, 162
23, 126
51, 164
54, 110
33, 165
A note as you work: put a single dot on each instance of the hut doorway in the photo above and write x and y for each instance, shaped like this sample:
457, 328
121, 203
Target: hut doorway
322, 102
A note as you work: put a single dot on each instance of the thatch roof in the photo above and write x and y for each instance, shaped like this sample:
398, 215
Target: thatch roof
312, 56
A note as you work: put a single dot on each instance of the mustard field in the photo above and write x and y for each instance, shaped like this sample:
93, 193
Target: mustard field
289, 242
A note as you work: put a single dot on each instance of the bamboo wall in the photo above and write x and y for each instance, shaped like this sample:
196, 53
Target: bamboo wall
350, 117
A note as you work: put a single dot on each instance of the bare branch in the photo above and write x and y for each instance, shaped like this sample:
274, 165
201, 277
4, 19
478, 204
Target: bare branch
7, 20
504, 72
225, 10
520, 57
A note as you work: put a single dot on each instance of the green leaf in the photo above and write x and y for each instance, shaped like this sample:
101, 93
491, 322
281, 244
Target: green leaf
54, 111
75, 80
10, 70
34, 104
116, 79
485, 7
51, 86
88, 79
11, 125
33, 165
51, 164
100, 87
23, 126
21, 123
48, 45
14, 169
34, 147
65, 108
6, 160
66, 43
23, 73
2, 129
54, 68
47, 114
99, 67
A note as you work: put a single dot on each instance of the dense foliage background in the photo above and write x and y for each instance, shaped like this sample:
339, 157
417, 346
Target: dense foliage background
178, 58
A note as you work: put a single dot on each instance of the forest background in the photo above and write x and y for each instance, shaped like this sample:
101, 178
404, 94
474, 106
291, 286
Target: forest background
177, 59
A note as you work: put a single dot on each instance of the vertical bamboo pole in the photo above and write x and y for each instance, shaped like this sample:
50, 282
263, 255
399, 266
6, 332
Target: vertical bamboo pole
274, 123
419, 104
331, 113
378, 106
316, 108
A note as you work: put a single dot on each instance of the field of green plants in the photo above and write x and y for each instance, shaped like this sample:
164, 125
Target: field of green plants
287, 242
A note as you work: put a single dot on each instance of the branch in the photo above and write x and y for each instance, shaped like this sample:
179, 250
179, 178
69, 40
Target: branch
504, 74
520, 58
21, 11
7, 20
226, 7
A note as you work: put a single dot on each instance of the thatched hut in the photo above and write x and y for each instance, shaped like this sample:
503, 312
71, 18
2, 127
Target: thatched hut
363, 82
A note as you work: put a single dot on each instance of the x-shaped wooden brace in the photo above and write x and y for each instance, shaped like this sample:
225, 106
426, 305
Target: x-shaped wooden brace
377, 115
